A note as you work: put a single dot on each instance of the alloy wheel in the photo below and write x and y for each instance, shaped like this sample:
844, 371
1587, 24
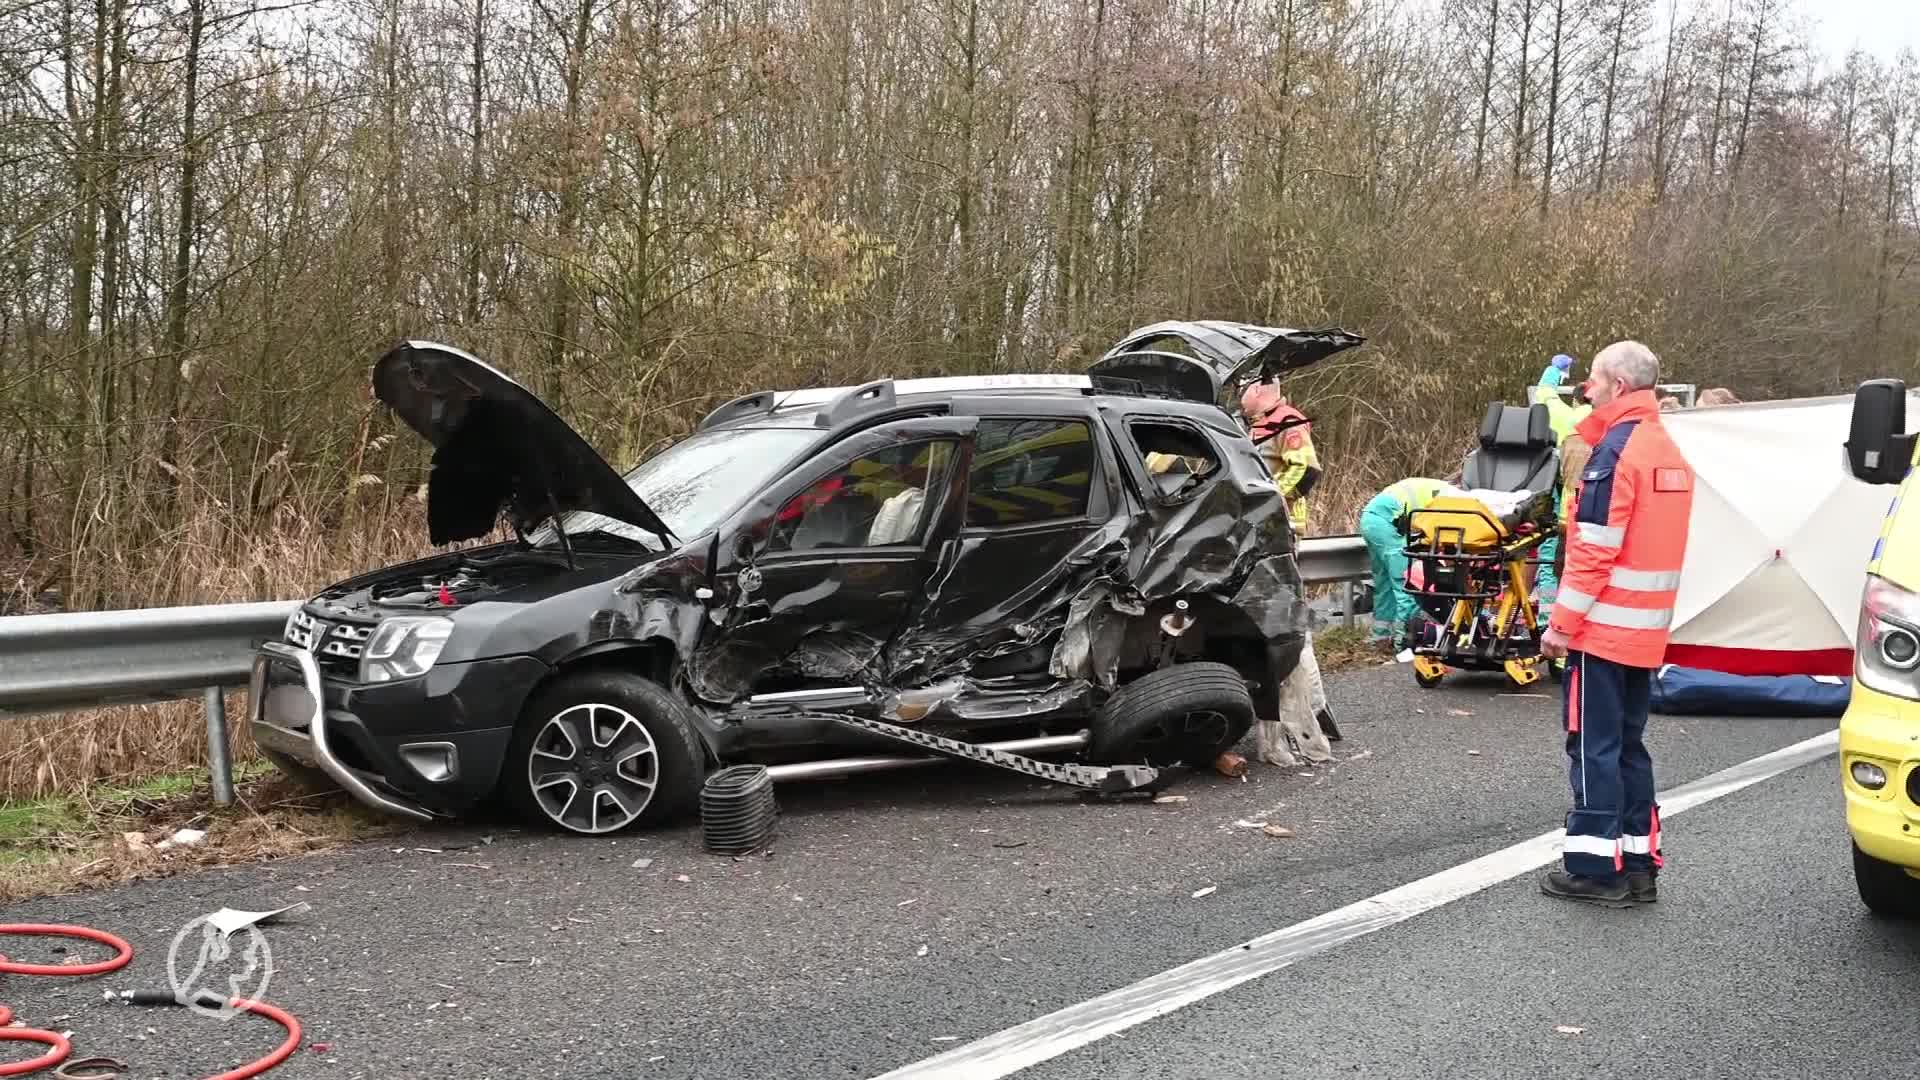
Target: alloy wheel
593, 768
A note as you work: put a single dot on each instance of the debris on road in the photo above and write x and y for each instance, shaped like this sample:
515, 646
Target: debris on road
1459, 712
1230, 764
1567, 1029
1169, 800
1009, 843
1473, 753
642, 864
1208, 891
1279, 831
921, 951
227, 920
1243, 823
182, 838
682, 878
89, 1068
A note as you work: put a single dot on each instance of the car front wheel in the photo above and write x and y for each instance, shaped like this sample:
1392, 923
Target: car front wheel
600, 752
1886, 889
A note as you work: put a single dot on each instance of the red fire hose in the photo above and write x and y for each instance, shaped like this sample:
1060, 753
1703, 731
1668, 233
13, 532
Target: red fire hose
59, 1047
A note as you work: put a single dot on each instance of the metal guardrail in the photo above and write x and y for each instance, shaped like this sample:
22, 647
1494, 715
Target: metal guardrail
68, 661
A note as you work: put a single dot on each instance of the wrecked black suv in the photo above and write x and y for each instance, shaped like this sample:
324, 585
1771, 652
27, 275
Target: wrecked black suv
1095, 563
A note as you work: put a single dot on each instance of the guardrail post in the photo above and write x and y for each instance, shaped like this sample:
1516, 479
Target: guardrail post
218, 763
1353, 594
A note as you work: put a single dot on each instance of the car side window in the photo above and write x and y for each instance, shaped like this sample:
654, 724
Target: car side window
1177, 456
881, 499
1029, 469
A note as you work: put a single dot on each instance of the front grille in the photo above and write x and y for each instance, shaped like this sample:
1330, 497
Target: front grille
336, 645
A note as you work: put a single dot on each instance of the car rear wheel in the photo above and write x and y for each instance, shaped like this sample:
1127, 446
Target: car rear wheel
1189, 713
603, 751
1886, 889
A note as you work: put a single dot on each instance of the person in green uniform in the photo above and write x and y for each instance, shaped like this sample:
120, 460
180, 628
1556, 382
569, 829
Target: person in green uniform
1382, 528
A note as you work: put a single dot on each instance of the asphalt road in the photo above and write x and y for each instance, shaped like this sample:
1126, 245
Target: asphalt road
900, 916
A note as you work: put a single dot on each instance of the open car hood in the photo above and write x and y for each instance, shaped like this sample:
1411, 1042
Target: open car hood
1214, 355
495, 446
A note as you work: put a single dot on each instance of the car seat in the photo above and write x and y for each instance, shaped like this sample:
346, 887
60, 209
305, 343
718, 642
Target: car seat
1517, 451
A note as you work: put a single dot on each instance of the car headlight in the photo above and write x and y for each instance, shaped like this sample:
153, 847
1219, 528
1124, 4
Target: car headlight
403, 647
1886, 647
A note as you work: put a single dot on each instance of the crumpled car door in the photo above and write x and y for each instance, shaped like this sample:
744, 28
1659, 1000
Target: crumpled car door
813, 578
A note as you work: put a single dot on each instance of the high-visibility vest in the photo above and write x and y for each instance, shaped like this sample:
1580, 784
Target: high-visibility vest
1415, 492
1628, 536
1562, 418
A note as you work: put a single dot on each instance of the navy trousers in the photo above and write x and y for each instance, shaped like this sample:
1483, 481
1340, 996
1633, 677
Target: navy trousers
1614, 826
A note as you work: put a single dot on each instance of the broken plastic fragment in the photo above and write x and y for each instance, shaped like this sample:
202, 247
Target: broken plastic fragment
1208, 891
227, 920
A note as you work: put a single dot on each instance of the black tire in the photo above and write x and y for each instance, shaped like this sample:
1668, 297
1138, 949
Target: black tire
306, 777
1886, 889
613, 703
1188, 713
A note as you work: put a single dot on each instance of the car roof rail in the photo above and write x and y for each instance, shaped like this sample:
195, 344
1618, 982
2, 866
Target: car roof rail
866, 397
758, 403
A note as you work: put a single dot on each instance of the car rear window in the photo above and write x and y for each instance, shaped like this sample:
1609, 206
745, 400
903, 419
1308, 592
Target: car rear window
1029, 469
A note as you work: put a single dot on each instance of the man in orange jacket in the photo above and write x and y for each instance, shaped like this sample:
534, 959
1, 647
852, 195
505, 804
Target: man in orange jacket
1625, 545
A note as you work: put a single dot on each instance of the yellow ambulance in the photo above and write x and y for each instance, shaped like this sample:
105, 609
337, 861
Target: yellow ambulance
1880, 733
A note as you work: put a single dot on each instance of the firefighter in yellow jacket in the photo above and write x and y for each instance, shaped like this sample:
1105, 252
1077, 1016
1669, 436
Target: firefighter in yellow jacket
1285, 438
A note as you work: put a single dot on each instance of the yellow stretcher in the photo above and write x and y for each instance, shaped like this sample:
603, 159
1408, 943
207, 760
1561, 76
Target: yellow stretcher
1470, 564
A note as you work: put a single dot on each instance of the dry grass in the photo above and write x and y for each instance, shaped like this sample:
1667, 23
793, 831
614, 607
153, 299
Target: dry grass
107, 836
218, 558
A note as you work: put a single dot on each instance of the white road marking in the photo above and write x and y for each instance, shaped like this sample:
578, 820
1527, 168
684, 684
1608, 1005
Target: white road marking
1049, 1036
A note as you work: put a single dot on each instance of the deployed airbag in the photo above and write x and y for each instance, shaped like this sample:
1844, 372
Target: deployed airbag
1681, 691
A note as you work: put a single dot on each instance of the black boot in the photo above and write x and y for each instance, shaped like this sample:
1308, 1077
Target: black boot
1642, 886
1585, 889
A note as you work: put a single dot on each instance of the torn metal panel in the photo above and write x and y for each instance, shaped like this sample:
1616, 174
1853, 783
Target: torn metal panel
980, 701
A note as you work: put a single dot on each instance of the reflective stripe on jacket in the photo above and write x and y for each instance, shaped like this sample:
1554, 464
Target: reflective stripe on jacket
1628, 536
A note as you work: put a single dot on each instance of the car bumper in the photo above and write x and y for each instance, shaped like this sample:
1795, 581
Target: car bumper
422, 748
1883, 731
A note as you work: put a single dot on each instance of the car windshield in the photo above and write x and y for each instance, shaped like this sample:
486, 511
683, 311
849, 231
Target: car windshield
692, 483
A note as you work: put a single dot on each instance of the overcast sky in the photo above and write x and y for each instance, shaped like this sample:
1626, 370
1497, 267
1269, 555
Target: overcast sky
1880, 27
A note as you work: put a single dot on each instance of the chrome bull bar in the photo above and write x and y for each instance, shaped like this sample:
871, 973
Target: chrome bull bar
314, 742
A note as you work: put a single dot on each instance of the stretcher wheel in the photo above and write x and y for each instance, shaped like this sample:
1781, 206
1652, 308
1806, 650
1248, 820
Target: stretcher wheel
1523, 673
1428, 672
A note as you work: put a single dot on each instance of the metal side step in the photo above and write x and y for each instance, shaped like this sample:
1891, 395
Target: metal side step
1105, 779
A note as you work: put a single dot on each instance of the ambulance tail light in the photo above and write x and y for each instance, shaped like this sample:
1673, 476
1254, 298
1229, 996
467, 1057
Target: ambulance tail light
1887, 644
